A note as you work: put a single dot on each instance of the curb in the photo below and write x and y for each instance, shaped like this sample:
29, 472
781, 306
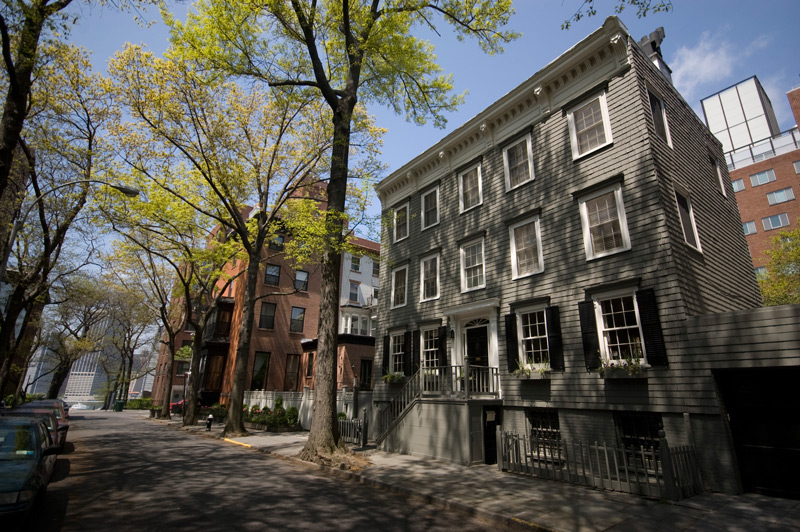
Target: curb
507, 522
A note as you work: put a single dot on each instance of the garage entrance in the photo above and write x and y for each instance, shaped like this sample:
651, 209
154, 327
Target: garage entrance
763, 406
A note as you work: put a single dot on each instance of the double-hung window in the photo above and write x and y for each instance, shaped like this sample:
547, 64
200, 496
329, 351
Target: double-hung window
429, 277
399, 283
518, 163
688, 225
618, 328
301, 281
397, 351
470, 188
430, 208
376, 268
276, 243
605, 230
401, 223
430, 347
526, 248
775, 222
589, 126
534, 350
659, 114
267, 318
355, 263
472, 266
780, 196
272, 275
354, 289
762, 178
298, 319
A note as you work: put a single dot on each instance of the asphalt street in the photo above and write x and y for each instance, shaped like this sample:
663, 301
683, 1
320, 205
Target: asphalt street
122, 472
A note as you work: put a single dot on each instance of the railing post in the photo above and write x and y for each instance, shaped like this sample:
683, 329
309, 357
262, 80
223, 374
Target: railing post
499, 446
466, 377
364, 428
670, 487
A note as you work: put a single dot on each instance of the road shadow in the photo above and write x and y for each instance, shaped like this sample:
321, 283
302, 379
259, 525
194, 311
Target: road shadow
61, 470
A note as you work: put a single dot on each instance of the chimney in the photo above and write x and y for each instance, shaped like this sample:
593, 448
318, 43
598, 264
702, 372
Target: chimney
651, 44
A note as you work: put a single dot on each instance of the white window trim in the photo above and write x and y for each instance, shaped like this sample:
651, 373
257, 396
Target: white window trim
435, 190
405, 292
688, 197
540, 258
598, 316
773, 200
573, 134
506, 170
772, 228
720, 177
520, 339
733, 184
463, 265
422, 297
623, 223
394, 222
752, 224
668, 140
461, 175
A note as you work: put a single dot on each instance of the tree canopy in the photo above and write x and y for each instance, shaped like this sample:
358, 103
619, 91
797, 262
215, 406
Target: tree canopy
781, 283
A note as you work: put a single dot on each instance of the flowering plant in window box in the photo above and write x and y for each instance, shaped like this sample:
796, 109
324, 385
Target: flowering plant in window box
397, 377
541, 371
622, 368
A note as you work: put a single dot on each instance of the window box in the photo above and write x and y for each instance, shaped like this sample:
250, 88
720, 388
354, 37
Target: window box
623, 372
535, 374
394, 379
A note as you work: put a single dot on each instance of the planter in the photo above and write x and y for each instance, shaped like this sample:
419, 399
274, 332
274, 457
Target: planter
623, 373
533, 376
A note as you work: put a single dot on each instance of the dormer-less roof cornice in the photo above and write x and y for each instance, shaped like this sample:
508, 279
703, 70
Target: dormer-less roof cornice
598, 57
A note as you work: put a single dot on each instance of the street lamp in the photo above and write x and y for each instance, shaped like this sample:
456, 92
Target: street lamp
18, 223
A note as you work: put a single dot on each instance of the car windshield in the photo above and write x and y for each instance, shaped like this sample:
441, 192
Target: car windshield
16, 443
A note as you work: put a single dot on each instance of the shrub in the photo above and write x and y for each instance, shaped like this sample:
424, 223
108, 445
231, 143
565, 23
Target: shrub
145, 403
341, 415
292, 416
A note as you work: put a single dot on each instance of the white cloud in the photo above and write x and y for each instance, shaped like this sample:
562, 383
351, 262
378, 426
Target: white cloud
760, 42
705, 65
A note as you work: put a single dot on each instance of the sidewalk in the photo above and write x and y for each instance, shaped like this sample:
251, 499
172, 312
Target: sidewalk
528, 503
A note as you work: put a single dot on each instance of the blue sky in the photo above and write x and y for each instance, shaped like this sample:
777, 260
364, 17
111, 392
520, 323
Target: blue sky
709, 44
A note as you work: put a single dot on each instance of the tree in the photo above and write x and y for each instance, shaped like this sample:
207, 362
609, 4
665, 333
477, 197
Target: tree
347, 51
781, 283
75, 325
62, 149
245, 159
642, 7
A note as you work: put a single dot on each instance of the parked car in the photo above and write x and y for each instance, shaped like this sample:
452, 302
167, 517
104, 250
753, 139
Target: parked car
27, 458
57, 407
47, 415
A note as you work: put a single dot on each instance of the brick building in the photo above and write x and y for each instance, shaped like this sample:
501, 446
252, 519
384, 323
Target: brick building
764, 163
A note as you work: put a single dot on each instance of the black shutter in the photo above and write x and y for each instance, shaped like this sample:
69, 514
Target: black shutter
512, 348
653, 339
554, 343
442, 346
591, 345
386, 367
415, 352
407, 354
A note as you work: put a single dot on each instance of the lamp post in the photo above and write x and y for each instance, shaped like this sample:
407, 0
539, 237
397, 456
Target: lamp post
18, 223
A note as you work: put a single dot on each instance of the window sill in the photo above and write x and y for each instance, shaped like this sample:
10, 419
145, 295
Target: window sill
623, 373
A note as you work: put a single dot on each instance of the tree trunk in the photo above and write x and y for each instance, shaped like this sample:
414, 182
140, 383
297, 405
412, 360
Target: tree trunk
235, 422
168, 371
7, 334
59, 376
323, 438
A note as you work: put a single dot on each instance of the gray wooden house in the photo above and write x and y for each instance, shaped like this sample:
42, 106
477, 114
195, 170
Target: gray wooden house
544, 259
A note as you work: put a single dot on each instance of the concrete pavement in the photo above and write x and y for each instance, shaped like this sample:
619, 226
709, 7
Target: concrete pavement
527, 503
